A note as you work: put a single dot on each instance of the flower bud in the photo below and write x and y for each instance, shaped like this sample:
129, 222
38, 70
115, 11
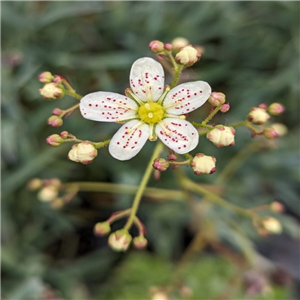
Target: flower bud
203, 164
258, 116
168, 47
200, 49
270, 133
225, 108
263, 105
54, 140
48, 193
120, 240
102, 228
277, 207
55, 121
187, 56
217, 99
34, 184
160, 164
140, 242
84, 152
64, 134
59, 79
280, 129
46, 77
56, 111
221, 136
276, 109
52, 91
172, 157
179, 43
272, 225
156, 46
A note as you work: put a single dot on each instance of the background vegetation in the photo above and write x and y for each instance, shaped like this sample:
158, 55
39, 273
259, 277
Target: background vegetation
251, 54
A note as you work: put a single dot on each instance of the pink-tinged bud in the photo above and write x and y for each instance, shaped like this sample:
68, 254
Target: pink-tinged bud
203, 164
225, 108
276, 109
277, 207
272, 225
172, 157
217, 99
120, 240
102, 228
270, 133
156, 46
58, 79
140, 242
46, 77
56, 111
34, 184
54, 140
258, 116
64, 134
200, 49
187, 56
160, 164
263, 105
168, 47
52, 91
55, 121
48, 193
179, 43
84, 152
221, 136
280, 129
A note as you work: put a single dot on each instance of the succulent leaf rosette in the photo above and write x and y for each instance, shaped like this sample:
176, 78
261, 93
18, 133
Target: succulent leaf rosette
149, 110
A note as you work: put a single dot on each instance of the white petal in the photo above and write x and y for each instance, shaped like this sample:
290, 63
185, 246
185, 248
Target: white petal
182, 136
124, 145
147, 79
190, 95
106, 107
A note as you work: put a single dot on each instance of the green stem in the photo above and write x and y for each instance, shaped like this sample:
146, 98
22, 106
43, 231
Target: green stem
174, 63
176, 76
142, 186
180, 162
64, 112
238, 124
73, 94
118, 215
202, 125
101, 144
211, 115
68, 85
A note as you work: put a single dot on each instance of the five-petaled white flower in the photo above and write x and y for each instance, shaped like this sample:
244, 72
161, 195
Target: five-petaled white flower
149, 110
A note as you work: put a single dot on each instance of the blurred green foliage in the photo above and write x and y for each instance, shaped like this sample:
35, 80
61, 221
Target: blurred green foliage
251, 54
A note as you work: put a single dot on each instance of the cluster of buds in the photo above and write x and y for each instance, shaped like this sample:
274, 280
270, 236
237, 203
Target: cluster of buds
48, 190
203, 164
84, 152
121, 239
51, 90
221, 136
186, 54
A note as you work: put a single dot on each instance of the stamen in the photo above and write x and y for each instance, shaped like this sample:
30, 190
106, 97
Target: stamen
127, 106
147, 105
172, 104
163, 96
130, 94
148, 93
152, 136
150, 115
135, 126
167, 132
127, 119
182, 117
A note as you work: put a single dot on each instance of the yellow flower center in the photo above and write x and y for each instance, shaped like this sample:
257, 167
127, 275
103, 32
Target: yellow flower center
151, 112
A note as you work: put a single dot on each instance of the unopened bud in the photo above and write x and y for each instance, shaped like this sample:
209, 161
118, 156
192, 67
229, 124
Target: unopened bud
272, 225
168, 47
84, 152
160, 164
277, 207
46, 77
120, 240
156, 46
140, 242
217, 99
56, 111
179, 43
54, 140
221, 136
276, 109
64, 134
258, 116
203, 164
263, 105
280, 129
225, 108
102, 228
200, 49
187, 56
34, 184
59, 79
270, 133
48, 193
172, 157
52, 91
55, 121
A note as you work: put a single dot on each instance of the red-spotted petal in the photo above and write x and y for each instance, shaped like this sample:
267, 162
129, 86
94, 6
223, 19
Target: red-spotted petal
179, 135
124, 145
107, 107
187, 97
147, 79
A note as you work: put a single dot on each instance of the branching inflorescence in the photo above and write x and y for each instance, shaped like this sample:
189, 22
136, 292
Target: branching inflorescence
149, 110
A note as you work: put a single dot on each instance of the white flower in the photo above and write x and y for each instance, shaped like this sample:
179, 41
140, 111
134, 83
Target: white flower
149, 110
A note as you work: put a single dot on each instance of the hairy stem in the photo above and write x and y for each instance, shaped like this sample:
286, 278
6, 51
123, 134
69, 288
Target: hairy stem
177, 75
73, 94
211, 115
